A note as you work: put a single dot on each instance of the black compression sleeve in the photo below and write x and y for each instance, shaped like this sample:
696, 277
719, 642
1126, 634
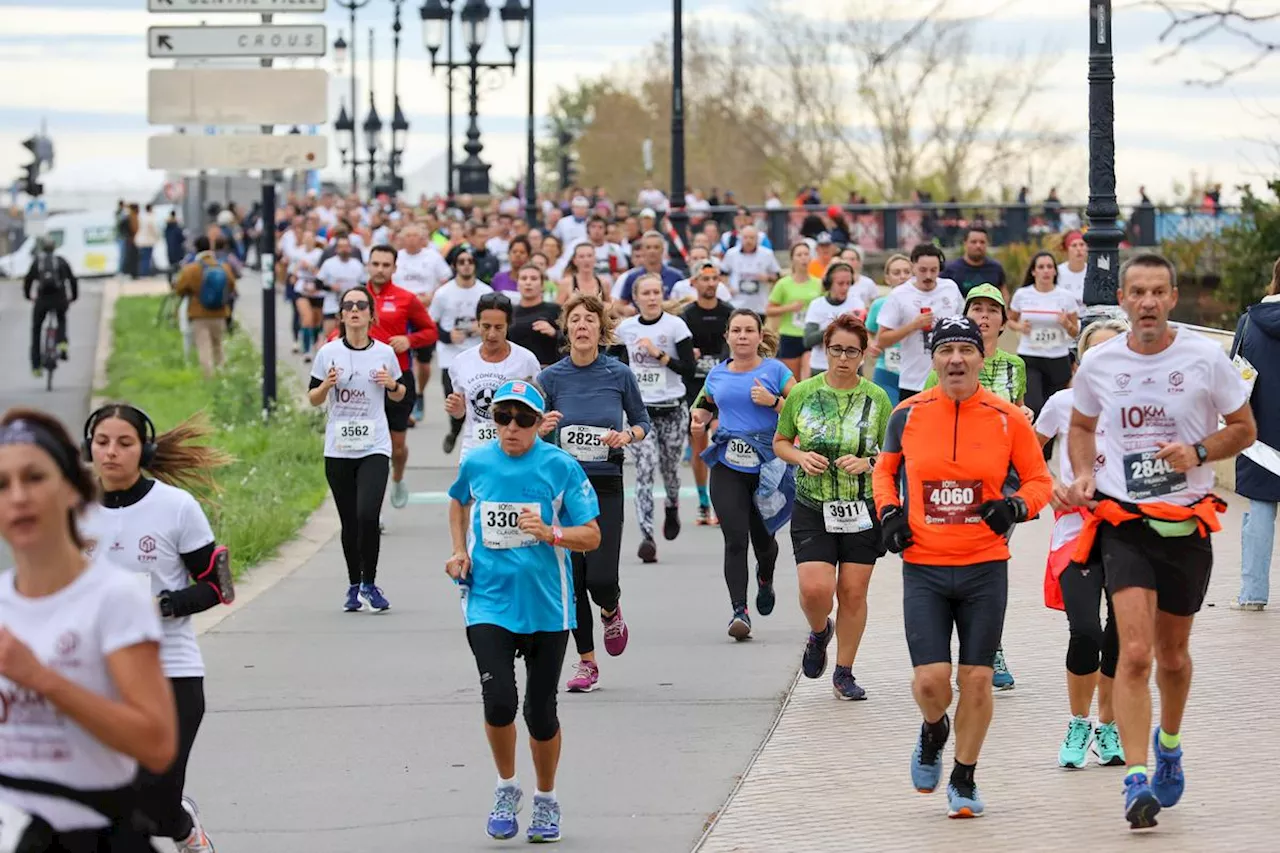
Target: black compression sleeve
203, 594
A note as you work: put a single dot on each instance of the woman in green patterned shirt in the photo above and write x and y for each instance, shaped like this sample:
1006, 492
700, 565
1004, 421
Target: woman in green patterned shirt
832, 427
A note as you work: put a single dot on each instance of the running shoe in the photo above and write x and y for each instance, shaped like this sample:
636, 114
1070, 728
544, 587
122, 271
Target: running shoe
845, 686
417, 410
926, 762
399, 494
616, 633
963, 803
1106, 743
197, 841
671, 527
353, 599
586, 677
648, 552
506, 805
1075, 746
63, 350
1252, 606
740, 624
813, 663
1001, 677
374, 597
1169, 782
544, 825
449, 441
37, 372
1140, 803
706, 518
765, 596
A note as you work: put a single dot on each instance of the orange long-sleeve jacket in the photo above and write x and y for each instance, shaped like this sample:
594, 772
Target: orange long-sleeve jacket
956, 457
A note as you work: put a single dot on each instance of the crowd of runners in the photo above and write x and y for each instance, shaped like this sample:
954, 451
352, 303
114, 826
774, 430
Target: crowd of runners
868, 420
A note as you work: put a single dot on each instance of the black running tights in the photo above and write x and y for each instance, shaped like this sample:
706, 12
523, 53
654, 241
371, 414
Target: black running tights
733, 496
358, 486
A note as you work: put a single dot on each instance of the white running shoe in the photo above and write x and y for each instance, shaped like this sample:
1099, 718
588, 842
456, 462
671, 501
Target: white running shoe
197, 841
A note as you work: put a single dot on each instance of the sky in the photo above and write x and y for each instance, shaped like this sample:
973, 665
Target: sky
81, 65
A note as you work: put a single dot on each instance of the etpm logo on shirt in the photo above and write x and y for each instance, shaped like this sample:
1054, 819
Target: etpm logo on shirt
146, 549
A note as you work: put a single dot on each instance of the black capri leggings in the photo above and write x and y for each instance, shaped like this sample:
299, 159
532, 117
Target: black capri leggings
160, 796
1091, 645
1045, 377
358, 486
496, 649
595, 574
733, 496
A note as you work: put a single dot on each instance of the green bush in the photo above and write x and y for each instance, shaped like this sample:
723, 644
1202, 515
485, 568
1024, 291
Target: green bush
1250, 248
277, 479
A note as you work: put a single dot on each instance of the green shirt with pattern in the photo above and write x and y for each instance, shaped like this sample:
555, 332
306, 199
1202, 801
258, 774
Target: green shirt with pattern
1003, 374
835, 422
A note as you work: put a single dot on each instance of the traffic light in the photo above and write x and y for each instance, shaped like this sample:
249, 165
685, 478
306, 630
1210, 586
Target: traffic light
42, 149
568, 161
31, 180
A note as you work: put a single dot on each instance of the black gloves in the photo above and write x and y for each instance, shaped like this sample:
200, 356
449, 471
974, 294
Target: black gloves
1002, 515
895, 529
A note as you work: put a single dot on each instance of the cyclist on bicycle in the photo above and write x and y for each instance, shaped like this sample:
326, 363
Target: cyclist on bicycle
50, 274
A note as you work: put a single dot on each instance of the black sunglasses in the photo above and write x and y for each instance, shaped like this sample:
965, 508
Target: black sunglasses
523, 419
355, 306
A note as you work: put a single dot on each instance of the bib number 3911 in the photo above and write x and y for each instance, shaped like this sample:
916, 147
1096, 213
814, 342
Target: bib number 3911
354, 435
500, 525
952, 501
584, 443
846, 516
1145, 476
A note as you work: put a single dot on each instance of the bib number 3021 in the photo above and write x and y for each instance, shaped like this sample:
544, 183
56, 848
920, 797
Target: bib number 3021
354, 435
846, 516
952, 501
500, 525
1145, 476
584, 443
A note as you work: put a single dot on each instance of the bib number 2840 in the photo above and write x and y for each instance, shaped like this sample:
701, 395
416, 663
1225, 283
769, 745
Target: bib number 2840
1146, 476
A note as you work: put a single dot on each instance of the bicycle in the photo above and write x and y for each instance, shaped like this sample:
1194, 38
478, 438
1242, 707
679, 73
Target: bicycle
49, 354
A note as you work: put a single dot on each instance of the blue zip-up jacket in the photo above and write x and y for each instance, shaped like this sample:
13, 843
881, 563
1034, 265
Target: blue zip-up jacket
775, 494
602, 394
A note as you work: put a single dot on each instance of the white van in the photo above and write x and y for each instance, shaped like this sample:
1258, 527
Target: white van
87, 240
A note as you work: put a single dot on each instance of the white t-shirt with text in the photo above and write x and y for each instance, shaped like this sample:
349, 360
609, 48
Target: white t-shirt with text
658, 383
904, 304
477, 380
357, 424
1047, 337
750, 276
423, 273
339, 275
454, 307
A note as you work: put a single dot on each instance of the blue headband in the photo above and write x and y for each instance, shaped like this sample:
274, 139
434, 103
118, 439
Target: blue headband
36, 435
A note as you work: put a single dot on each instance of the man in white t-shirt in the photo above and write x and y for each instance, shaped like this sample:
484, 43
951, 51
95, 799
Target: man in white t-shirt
909, 312
1158, 394
651, 197
421, 270
611, 261
454, 310
338, 273
499, 244
684, 289
572, 230
752, 271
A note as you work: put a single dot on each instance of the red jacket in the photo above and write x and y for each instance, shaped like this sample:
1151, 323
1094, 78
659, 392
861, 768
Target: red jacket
397, 309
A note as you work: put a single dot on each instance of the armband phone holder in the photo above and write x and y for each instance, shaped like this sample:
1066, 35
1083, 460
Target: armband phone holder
219, 574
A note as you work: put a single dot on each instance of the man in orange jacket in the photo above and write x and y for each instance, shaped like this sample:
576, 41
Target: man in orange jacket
1157, 393
957, 445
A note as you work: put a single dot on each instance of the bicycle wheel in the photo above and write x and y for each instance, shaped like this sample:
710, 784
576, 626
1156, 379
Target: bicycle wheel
50, 356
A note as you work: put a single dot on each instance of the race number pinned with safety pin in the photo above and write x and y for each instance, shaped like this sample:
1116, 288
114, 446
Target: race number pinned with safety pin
500, 525
846, 516
952, 501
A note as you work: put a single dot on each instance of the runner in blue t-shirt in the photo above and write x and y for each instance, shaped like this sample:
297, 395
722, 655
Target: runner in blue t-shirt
517, 506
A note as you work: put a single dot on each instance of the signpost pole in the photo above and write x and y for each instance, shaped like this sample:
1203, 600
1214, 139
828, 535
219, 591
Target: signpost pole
267, 258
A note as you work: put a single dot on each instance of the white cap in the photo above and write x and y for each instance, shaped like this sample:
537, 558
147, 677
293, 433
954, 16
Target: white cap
648, 211
580, 201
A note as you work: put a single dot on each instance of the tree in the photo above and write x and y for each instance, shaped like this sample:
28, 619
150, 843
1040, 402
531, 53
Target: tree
1197, 20
570, 112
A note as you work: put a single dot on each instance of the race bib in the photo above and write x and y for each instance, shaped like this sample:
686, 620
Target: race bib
741, 454
500, 525
705, 364
952, 501
584, 443
486, 431
797, 319
1145, 476
649, 378
749, 287
353, 435
846, 516
893, 359
1046, 337
14, 823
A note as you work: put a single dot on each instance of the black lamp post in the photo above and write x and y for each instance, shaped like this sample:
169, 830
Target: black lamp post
677, 215
437, 16
339, 56
1103, 235
399, 124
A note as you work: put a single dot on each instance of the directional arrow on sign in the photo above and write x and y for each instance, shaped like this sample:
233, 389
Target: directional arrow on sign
164, 43
262, 41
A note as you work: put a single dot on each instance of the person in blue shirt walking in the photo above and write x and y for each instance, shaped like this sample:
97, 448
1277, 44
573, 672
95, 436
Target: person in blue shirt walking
517, 505
595, 409
748, 392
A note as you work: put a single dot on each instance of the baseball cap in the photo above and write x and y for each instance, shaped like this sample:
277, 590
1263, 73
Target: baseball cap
951, 330
520, 391
699, 266
986, 291
824, 239
648, 211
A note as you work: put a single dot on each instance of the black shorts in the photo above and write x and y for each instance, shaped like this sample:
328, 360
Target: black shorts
317, 302
811, 542
425, 354
791, 346
398, 413
970, 598
1177, 568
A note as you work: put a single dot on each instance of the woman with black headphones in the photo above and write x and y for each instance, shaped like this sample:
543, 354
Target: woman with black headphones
154, 528
836, 299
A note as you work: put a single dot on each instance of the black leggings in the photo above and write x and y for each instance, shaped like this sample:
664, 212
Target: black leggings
160, 796
1045, 377
733, 496
1091, 646
495, 650
455, 424
595, 574
358, 486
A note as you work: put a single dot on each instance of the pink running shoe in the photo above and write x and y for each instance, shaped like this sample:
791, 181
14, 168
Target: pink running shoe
615, 632
586, 677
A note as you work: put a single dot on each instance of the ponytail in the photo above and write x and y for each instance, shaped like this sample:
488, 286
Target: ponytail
182, 462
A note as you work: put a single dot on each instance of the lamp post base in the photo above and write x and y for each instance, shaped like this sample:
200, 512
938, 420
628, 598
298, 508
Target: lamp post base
473, 177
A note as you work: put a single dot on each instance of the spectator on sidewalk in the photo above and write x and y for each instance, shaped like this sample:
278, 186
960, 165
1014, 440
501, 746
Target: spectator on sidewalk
209, 285
148, 236
174, 238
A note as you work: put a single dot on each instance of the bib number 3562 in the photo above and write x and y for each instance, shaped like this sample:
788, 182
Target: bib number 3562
353, 436
952, 501
1145, 476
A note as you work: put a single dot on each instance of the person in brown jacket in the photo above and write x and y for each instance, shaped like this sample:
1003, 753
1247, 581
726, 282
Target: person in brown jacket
210, 287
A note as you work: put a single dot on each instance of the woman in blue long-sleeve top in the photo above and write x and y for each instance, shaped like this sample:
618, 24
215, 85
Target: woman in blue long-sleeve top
594, 410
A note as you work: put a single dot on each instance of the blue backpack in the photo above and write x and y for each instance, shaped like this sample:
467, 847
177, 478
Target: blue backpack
213, 286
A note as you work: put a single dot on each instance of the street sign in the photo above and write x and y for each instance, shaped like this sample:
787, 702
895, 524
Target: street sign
222, 96
268, 40
178, 152
257, 7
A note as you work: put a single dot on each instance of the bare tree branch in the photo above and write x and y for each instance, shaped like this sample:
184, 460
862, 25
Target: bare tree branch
1192, 22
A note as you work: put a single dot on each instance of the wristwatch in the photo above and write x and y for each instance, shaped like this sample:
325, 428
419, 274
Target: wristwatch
1202, 453
165, 604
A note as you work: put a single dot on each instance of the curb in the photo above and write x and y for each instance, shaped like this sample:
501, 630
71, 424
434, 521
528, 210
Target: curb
320, 527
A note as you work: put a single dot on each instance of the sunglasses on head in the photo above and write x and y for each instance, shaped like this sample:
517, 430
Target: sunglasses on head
523, 419
352, 305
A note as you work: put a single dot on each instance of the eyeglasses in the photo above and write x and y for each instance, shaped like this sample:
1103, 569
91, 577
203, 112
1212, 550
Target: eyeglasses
523, 419
355, 306
464, 262
844, 352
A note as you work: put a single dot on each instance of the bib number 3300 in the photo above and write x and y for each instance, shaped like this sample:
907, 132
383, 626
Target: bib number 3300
500, 525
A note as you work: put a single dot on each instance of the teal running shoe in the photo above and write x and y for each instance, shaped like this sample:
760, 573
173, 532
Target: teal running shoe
1075, 746
1001, 677
1106, 743
544, 826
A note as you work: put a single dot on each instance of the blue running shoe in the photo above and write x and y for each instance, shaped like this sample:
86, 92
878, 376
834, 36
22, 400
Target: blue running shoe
506, 805
926, 762
740, 624
544, 826
962, 804
1140, 803
1001, 677
353, 604
845, 686
1169, 782
373, 595
814, 661
765, 597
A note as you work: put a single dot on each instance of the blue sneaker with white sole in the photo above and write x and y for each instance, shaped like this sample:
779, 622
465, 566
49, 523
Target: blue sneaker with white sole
1140, 803
374, 597
926, 762
962, 804
353, 604
814, 660
1169, 781
507, 801
544, 826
